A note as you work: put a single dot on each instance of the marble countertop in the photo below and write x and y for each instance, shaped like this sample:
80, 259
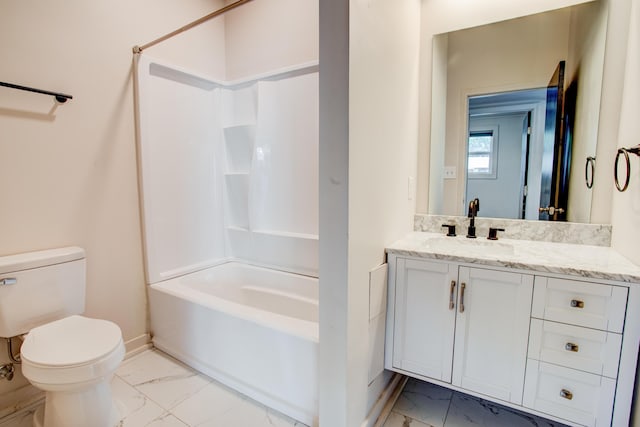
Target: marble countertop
597, 262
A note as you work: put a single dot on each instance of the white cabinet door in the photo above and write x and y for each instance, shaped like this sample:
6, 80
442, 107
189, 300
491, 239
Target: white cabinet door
424, 317
492, 332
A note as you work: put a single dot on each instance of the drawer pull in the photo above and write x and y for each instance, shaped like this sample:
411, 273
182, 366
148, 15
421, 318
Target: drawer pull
566, 394
577, 303
462, 287
451, 300
571, 347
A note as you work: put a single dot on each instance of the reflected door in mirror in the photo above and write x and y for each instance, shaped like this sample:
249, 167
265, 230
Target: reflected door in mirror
556, 158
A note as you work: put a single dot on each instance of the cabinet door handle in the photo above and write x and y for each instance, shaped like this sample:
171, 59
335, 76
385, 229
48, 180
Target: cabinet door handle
571, 347
566, 394
577, 303
462, 287
451, 295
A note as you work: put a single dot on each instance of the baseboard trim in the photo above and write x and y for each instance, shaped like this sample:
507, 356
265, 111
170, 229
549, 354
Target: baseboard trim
137, 345
19, 399
382, 408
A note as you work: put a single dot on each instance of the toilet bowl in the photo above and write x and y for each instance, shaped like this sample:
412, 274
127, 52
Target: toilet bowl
73, 360
71, 357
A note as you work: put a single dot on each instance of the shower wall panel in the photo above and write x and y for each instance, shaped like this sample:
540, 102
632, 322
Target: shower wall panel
179, 154
285, 169
228, 170
281, 224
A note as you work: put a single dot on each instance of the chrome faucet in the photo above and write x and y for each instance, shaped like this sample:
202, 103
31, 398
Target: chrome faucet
474, 207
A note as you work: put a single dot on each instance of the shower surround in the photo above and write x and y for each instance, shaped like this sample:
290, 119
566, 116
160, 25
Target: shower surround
229, 189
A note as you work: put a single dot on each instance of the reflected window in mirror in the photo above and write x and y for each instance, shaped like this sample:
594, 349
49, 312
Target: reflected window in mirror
482, 152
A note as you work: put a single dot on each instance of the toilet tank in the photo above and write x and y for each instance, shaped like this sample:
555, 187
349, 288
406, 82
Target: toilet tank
39, 287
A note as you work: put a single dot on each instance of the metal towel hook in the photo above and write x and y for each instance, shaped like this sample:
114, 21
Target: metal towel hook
624, 151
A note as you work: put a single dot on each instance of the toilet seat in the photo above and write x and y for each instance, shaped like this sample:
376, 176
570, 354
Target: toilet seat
72, 350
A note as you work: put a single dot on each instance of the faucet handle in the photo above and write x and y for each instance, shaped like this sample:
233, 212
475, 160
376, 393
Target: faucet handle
451, 229
493, 233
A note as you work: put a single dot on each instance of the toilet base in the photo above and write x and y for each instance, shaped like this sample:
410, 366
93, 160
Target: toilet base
79, 409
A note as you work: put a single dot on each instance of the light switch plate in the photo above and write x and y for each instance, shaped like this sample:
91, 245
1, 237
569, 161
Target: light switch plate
450, 172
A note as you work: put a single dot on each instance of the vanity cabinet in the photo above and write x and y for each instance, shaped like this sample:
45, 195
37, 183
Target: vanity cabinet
555, 346
462, 325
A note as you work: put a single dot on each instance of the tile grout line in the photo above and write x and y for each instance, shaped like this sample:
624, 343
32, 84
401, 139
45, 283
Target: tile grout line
175, 362
178, 418
446, 415
147, 397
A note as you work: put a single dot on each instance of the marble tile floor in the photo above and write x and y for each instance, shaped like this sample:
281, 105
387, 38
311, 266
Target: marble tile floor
427, 405
154, 390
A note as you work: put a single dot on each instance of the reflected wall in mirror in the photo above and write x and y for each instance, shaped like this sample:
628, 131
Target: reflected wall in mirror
496, 84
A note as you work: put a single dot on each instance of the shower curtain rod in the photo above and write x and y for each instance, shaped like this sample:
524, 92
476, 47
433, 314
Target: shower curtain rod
221, 11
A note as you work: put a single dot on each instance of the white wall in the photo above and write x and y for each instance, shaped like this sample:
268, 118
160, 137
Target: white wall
368, 74
335, 387
626, 206
610, 108
268, 35
441, 16
69, 171
383, 112
586, 56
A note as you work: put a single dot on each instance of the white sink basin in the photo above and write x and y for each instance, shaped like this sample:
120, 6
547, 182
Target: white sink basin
464, 246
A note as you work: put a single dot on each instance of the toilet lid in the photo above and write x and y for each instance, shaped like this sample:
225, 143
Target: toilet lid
74, 340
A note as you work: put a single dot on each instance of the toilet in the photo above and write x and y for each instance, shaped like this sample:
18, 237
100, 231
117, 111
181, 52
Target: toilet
70, 357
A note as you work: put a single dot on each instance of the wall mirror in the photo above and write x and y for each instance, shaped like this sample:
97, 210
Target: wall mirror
522, 112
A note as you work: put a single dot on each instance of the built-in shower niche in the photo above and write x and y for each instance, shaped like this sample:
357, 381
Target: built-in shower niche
238, 145
271, 160
238, 112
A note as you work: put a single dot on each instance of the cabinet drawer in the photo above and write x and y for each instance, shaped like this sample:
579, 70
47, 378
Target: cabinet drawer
590, 350
586, 304
576, 396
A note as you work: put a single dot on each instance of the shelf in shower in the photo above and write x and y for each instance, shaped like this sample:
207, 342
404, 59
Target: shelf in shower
235, 228
238, 127
295, 235
290, 251
273, 233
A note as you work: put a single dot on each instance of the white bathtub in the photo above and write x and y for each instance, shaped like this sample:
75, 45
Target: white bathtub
251, 328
